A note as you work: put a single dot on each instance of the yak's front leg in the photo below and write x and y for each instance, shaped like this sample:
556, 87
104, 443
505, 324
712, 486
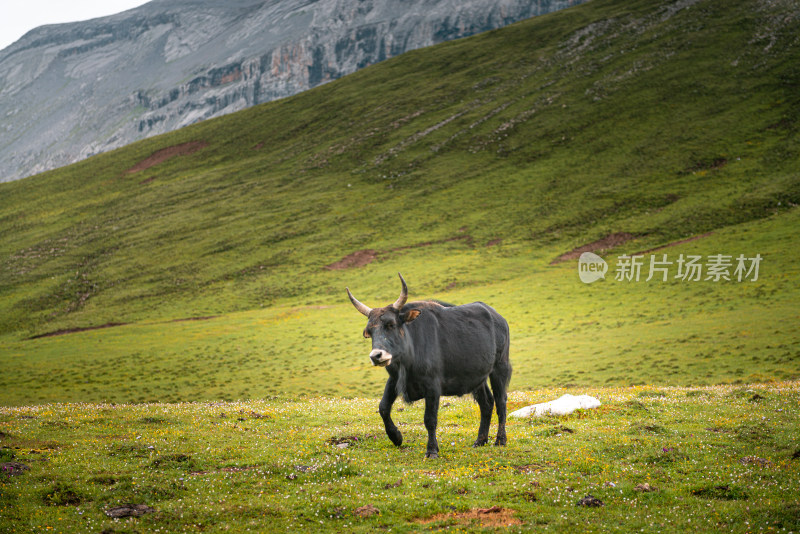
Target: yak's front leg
431, 419
385, 409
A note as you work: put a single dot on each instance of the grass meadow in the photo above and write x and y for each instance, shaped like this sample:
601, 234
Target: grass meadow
665, 459
175, 334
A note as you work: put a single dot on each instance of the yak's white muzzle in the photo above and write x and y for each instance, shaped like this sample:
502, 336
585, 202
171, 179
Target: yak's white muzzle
380, 358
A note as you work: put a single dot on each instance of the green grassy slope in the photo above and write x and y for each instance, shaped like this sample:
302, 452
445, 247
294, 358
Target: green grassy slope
663, 120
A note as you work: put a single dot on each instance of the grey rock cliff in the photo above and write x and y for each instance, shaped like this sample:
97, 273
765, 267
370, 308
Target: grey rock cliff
69, 91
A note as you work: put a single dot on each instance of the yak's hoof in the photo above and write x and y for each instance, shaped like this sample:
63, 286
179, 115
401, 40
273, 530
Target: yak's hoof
480, 442
397, 438
500, 442
431, 455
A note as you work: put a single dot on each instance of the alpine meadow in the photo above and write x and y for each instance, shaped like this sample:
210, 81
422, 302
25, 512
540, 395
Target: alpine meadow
175, 334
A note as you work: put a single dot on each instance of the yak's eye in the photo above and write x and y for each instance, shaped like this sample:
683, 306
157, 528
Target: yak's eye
366, 334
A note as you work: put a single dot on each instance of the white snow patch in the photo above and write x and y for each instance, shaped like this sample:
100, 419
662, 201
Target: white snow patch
563, 405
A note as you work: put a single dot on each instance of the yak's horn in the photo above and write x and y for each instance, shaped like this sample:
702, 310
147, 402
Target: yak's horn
360, 307
400, 302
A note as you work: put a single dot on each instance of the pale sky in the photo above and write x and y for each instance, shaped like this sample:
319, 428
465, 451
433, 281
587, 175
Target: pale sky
17, 17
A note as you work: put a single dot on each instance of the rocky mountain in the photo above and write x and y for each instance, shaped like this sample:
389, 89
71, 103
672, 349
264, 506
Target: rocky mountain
69, 91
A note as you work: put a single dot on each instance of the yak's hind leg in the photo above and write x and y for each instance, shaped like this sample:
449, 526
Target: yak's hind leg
499, 378
485, 401
431, 420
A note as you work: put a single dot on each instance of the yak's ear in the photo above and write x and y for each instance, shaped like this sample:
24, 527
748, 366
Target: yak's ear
410, 315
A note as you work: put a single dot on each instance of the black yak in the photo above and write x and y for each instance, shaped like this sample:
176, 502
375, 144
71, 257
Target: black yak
432, 349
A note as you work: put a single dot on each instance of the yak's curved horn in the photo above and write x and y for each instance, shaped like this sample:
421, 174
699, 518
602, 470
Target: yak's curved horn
400, 302
360, 307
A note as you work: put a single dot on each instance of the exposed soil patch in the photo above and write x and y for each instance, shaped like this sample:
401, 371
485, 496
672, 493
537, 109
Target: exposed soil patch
366, 511
527, 468
103, 480
710, 165
608, 242
680, 242
358, 258
364, 257
755, 460
160, 156
129, 510
75, 330
186, 319
347, 440
615, 240
486, 517
590, 501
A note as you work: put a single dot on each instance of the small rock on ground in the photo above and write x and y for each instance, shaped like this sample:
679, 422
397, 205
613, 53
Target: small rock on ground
129, 510
366, 510
590, 501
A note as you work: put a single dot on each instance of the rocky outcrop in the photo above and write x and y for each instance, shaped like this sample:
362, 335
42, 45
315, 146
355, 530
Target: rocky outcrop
73, 90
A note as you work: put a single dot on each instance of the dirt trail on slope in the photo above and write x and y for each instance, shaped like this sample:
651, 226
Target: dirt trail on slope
615, 240
608, 242
160, 156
